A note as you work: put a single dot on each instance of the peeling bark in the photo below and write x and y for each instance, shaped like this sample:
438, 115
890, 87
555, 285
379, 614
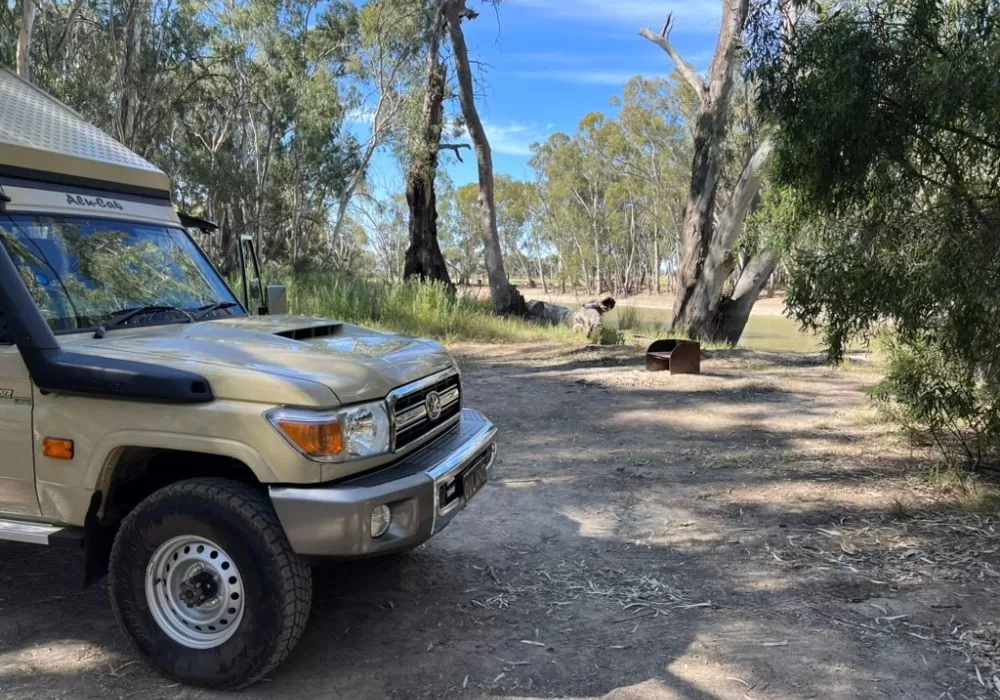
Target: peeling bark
506, 298
128, 78
709, 131
60, 51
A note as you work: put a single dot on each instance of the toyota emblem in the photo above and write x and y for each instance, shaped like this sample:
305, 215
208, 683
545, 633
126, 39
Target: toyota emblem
432, 402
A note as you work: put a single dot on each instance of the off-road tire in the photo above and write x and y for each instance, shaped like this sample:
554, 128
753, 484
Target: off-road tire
278, 588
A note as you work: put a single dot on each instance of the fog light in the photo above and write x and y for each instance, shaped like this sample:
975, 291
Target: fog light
381, 518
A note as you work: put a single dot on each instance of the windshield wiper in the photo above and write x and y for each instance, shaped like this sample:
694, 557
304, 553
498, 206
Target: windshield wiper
204, 311
120, 318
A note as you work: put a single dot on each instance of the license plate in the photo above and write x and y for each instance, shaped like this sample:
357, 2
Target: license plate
473, 479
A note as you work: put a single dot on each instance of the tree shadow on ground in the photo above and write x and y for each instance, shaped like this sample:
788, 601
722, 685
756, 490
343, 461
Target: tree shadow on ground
633, 537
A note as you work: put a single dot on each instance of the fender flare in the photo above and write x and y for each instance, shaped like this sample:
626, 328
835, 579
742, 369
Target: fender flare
102, 466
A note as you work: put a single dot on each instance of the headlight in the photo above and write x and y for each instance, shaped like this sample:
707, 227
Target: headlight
343, 434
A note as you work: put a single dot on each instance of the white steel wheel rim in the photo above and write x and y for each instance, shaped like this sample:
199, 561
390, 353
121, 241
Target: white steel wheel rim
195, 592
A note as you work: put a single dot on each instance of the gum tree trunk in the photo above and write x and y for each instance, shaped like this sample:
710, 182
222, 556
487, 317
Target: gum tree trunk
423, 256
707, 252
734, 312
506, 298
129, 75
705, 303
24, 37
715, 99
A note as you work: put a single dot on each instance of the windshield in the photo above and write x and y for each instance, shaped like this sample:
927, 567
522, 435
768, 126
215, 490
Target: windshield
83, 272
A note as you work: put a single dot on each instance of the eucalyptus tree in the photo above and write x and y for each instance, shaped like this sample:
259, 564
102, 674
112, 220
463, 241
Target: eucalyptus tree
506, 298
887, 129
241, 102
25, 33
703, 307
389, 46
423, 254
654, 115
462, 239
612, 193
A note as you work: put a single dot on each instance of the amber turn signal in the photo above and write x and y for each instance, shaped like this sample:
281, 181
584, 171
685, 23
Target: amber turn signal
57, 448
315, 439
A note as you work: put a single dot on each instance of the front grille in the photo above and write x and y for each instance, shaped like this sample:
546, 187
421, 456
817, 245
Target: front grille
409, 405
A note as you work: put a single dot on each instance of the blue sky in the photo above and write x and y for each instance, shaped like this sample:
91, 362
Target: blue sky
548, 63
545, 64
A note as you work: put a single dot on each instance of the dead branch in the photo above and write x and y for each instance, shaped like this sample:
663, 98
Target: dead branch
467, 13
456, 148
687, 70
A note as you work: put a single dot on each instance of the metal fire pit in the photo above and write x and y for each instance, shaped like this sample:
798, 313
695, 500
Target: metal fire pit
674, 355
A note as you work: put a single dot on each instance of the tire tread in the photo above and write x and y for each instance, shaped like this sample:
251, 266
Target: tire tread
295, 596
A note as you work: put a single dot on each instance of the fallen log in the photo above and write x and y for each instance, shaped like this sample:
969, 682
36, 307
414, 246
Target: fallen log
587, 319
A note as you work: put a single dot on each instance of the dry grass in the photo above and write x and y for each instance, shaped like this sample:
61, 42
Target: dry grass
636, 596
914, 550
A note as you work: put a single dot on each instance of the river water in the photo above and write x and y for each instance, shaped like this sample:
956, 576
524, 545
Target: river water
766, 331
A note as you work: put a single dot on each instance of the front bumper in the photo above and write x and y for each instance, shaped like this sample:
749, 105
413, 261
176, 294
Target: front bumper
335, 520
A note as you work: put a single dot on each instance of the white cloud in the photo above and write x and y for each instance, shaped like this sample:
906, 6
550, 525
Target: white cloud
583, 76
689, 15
512, 138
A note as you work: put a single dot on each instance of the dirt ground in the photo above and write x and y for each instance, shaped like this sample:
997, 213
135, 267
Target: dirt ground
751, 532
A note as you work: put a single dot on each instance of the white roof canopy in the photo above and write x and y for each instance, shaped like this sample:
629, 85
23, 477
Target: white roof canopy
42, 138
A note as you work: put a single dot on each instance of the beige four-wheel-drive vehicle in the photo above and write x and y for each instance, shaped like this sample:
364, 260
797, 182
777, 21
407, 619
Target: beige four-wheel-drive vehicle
198, 454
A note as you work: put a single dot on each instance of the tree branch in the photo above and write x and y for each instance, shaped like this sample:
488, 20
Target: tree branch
663, 41
744, 192
456, 148
73, 12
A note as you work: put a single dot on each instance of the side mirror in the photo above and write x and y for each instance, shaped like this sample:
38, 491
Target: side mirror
253, 286
277, 299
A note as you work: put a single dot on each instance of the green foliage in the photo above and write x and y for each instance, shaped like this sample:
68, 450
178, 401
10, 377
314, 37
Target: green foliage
942, 399
413, 307
460, 232
460, 229
611, 336
243, 104
628, 318
612, 195
888, 117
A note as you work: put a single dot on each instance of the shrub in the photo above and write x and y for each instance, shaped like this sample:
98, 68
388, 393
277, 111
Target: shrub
885, 118
939, 398
610, 336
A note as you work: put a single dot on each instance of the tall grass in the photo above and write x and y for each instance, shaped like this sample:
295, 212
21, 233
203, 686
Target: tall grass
412, 307
628, 318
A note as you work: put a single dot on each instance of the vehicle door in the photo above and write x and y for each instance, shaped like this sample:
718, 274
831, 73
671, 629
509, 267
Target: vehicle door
17, 468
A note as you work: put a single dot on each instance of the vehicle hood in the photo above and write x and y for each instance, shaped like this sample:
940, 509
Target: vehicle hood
293, 360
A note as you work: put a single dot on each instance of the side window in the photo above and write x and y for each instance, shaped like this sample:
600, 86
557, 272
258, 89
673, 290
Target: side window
33, 274
5, 338
39, 257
